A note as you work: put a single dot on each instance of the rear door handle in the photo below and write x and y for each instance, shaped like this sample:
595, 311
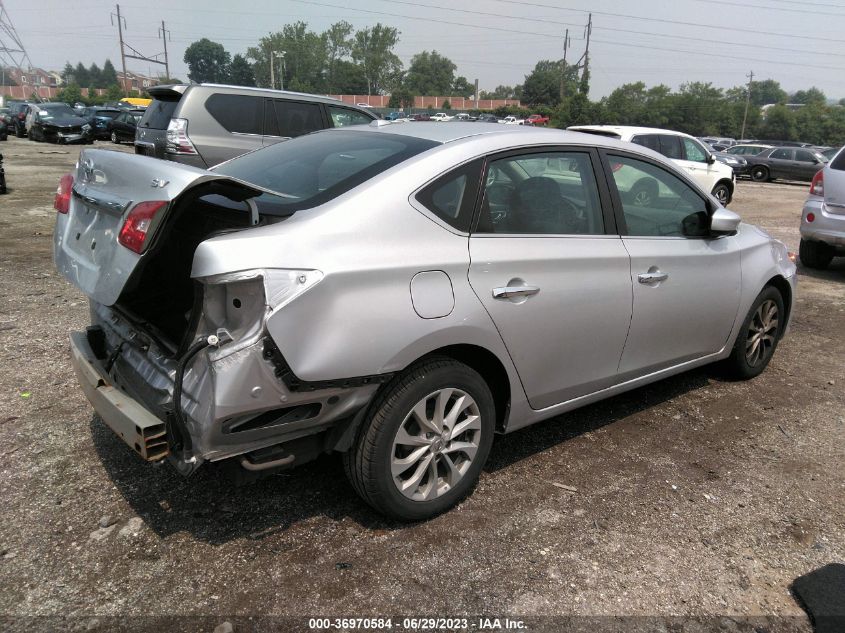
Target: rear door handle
652, 278
506, 292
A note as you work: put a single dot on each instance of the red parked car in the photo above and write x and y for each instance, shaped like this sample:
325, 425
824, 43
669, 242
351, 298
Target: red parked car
537, 119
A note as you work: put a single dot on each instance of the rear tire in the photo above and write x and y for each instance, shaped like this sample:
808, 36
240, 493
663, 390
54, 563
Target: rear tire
760, 174
759, 335
411, 462
816, 255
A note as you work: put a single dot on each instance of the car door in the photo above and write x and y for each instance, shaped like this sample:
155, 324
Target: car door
805, 165
703, 172
549, 267
780, 162
686, 285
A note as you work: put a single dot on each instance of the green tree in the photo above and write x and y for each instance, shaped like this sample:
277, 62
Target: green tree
402, 98
67, 73
779, 124
207, 61
338, 38
240, 72
108, 75
811, 96
349, 78
430, 74
446, 105
767, 91
113, 93
95, 76
71, 94
297, 53
373, 50
502, 92
80, 75
543, 84
462, 87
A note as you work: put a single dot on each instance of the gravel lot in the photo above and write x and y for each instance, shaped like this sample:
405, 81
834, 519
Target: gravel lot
694, 497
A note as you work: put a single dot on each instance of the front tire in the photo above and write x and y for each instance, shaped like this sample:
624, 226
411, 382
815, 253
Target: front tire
421, 447
114, 139
760, 174
722, 193
816, 255
758, 338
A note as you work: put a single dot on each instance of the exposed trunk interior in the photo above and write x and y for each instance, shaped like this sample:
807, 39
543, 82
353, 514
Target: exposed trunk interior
161, 296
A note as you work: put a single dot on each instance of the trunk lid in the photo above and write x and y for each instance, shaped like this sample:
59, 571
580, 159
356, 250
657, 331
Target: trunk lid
107, 187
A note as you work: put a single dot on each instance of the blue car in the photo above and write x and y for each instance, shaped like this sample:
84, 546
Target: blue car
100, 119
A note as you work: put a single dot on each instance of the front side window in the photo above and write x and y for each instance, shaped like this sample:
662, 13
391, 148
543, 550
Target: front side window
549, 193
782, 154
695, 152
656, 203
341, 117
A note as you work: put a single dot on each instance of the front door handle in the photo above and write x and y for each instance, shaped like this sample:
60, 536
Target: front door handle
507, 292
652, 277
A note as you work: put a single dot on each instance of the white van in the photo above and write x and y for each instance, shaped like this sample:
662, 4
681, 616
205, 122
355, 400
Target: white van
687, 151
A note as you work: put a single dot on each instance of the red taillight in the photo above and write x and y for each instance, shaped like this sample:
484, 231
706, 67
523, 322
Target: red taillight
817, 186
811, 216
63, 192
21, 116
133, 235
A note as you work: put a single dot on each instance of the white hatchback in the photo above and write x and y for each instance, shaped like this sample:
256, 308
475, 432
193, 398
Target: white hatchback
687, 151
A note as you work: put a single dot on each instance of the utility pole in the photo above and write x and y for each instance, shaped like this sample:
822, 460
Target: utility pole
585, 74
272, 72
563, 69
164, 35
750, 76
120, 23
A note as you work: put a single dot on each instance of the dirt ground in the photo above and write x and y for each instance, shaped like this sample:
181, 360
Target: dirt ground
694, 497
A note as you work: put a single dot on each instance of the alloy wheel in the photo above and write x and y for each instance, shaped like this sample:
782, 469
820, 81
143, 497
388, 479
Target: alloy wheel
435, 445
762, 330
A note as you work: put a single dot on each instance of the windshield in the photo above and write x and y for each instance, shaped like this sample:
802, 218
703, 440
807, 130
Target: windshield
311, 170
56, 111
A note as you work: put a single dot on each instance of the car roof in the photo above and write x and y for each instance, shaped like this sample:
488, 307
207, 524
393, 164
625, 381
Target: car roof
623, 130
516, 134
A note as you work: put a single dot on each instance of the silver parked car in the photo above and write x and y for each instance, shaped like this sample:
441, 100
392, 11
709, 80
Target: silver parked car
823, 218
399, 294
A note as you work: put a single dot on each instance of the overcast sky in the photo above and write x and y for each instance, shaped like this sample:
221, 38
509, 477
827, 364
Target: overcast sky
495, 41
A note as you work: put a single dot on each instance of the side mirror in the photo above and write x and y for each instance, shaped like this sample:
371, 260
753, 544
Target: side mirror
711, 159
724, 222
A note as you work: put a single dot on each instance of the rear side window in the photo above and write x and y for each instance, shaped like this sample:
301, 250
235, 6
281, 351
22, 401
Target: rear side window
241, 114
804, 156
158, 114
838, 162
670, 146
650, 141
452, 197
292, 118
342, 117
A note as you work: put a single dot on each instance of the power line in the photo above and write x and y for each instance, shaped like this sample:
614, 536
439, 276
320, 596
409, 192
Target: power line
607, 28
697, 25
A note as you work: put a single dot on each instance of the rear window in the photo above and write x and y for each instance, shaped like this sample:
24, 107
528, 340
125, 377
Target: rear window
159, 113
236, 113
311, 170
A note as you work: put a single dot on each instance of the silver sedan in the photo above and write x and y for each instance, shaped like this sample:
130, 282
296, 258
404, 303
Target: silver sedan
399, 294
